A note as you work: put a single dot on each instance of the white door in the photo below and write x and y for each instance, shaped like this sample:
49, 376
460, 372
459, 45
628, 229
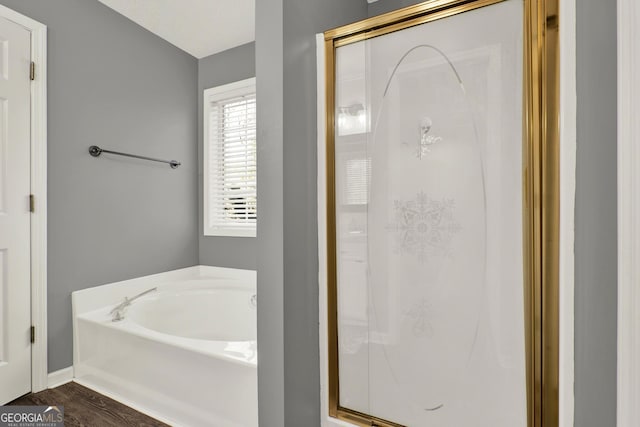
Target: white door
15, 277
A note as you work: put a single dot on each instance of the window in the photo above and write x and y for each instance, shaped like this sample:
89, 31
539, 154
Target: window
230, 160
357, 176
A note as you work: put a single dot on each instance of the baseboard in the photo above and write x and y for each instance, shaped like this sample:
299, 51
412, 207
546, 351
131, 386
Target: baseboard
57, 378
125, 401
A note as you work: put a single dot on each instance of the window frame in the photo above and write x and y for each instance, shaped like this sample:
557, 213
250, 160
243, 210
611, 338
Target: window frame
216, 94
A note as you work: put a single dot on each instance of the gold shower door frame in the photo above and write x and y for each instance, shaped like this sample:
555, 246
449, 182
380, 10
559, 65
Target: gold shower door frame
541, 205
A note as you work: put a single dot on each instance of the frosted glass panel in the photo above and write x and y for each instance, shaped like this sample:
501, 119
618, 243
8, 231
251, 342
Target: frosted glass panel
428, 177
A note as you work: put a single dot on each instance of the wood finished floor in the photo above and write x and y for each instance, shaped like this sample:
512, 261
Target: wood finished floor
86, 408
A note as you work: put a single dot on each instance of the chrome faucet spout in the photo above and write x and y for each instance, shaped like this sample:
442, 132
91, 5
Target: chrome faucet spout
142, 294
118, 311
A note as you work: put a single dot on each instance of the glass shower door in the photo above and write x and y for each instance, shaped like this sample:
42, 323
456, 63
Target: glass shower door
428, 158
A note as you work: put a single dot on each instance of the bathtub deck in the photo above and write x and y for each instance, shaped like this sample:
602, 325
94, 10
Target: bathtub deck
85, 407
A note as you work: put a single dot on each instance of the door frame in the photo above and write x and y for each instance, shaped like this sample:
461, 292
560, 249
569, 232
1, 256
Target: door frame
39, 369
628, 412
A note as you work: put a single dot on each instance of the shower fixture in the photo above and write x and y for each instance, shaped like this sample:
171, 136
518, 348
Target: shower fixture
352, 119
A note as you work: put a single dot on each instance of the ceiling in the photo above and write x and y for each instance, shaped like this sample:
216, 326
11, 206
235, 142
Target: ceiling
199, 27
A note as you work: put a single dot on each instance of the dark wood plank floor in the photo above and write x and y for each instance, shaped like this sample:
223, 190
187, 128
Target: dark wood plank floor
84, 407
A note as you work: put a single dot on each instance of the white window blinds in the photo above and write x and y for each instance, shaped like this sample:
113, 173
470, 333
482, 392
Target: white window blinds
230, 179
358, 176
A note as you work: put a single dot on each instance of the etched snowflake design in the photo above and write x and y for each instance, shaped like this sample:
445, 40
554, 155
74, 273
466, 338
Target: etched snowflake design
425, 227
419, 316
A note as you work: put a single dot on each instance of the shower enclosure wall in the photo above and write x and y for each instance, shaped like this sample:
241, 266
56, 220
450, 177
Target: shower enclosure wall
429, 289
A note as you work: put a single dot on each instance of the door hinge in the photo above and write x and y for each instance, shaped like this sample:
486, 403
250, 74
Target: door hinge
33, 334
32, 203
32, 71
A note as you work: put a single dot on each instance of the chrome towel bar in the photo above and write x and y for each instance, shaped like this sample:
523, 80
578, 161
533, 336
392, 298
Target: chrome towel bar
95, 151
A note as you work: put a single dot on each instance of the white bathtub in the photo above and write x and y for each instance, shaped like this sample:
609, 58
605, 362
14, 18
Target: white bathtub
185, 354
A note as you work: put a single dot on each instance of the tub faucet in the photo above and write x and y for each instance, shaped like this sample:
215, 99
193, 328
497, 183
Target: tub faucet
118, 311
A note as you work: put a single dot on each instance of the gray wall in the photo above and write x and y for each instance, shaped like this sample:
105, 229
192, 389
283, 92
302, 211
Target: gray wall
596, 241
384, 6
270, 233
289, 393
225, 67
113, 84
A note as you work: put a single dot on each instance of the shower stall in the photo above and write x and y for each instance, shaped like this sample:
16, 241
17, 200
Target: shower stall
434, 217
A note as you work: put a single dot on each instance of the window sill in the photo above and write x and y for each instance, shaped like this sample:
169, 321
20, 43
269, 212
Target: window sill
230, 233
